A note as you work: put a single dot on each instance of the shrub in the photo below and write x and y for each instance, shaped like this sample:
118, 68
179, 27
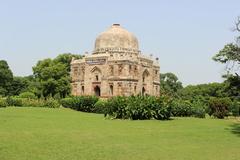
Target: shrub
51, 103
26, 102
100, 106
199, 109
182, 108
162, 109
80, 103
71, 102
218, 107
87, 103
3, 103
185, 108
235, 108
138, 107
67, 102
29, 95
57, 96
116, 107
14, 101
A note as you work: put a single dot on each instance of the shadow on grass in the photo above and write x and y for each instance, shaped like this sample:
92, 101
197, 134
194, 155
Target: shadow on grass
235, 129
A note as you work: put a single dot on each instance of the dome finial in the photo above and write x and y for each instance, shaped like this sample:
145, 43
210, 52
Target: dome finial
116, 24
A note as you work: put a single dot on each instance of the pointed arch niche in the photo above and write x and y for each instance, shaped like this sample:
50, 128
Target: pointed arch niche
96, 74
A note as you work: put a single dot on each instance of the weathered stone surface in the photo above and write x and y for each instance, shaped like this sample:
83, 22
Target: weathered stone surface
115, 68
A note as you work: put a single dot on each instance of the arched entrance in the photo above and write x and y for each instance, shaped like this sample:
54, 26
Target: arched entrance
145, 76
143, 91
111, 90
97, 91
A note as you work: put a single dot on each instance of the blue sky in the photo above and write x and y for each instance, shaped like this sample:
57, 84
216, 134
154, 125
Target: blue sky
183, 34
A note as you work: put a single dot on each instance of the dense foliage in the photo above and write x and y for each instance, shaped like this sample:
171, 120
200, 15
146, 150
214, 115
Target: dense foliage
80, 103
6, 77
192, 92
100, 106
18, 85
232, 87
170, 84
133, 107
3, 102
31, 102
234, 109
185, 108
138, 108
219, 107
52, 76
14, 101
28, 95
181, 108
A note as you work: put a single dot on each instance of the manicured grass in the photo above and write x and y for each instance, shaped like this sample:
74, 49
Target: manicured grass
57, 134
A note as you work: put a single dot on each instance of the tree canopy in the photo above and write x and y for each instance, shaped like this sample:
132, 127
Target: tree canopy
18, 85
169, 84
230, 56
6, 78
191, 92
52, 76
66, 59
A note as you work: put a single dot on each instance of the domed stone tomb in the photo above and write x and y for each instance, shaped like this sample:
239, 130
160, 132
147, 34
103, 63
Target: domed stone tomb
116, 67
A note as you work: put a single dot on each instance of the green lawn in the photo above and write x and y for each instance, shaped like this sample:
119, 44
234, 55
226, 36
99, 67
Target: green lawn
57, 134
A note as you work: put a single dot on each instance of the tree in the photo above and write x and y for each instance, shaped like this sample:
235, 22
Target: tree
219, 107
202, 92
52, 76
34, 86
18, 85
230, 56
170, 84
232, 86
66, 59
6, 78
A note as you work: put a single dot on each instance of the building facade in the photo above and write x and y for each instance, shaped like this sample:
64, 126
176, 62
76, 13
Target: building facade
116, 67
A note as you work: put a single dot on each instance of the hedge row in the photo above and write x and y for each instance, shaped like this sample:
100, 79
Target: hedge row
80, 103
216, 107
148, 107
134, 107
27, 102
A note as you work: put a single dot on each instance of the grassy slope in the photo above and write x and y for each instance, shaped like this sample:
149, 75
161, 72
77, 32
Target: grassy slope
57, 134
